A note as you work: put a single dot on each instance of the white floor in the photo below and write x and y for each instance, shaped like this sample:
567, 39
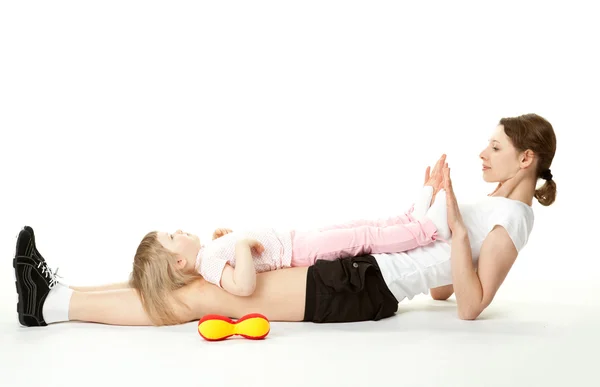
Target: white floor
120, 117
552, 342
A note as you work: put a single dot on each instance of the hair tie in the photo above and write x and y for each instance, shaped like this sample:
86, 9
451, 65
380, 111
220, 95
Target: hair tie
546, 175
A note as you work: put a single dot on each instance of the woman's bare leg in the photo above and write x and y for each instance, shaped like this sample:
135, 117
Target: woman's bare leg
115, 307
114, 286
124, 307
43, 300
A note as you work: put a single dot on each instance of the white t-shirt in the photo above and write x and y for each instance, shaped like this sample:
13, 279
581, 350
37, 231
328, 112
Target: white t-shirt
416, 271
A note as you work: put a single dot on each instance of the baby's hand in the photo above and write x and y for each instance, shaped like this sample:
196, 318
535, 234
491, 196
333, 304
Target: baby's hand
254, 245
220, 232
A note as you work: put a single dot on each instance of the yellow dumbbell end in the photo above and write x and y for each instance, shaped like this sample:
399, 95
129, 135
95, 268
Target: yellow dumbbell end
252, 326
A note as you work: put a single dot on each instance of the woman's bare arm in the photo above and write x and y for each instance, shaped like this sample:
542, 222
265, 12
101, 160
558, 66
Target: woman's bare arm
475, 290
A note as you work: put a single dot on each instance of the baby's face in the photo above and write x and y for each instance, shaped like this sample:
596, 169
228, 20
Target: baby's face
184, 244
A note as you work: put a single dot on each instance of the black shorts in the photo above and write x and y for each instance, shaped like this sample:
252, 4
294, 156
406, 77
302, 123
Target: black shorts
347, 290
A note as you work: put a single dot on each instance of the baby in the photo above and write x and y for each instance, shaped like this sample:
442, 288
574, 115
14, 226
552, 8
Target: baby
165, 262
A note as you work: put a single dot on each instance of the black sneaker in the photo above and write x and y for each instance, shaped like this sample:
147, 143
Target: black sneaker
26, 244
34, 279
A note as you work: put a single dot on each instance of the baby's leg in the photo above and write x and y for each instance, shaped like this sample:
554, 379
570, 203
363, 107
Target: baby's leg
416, 212
381, 222
438, 214
309, 246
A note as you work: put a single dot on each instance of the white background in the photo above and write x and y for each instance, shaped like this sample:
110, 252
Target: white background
121, 117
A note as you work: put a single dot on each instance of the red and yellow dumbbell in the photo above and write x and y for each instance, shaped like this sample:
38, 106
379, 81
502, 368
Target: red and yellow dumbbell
213, 327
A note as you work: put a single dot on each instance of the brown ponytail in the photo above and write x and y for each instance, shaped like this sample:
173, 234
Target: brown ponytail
530, 131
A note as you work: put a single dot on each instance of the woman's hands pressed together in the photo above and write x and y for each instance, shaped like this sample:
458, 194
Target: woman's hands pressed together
455, 220
434, 177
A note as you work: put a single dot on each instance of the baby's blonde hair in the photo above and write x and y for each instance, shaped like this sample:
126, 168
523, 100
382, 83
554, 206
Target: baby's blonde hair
156, 277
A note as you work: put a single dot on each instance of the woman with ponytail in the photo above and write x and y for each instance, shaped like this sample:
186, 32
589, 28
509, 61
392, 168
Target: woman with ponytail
486, 238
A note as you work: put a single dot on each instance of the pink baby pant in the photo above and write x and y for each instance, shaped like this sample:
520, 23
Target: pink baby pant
360, 237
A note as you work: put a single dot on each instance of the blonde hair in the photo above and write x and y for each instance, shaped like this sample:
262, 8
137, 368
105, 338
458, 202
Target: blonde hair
156, 277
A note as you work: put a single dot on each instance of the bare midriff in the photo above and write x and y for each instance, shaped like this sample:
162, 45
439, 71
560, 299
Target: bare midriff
280, 295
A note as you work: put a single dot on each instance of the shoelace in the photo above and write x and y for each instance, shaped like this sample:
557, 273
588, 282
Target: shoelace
49, 274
